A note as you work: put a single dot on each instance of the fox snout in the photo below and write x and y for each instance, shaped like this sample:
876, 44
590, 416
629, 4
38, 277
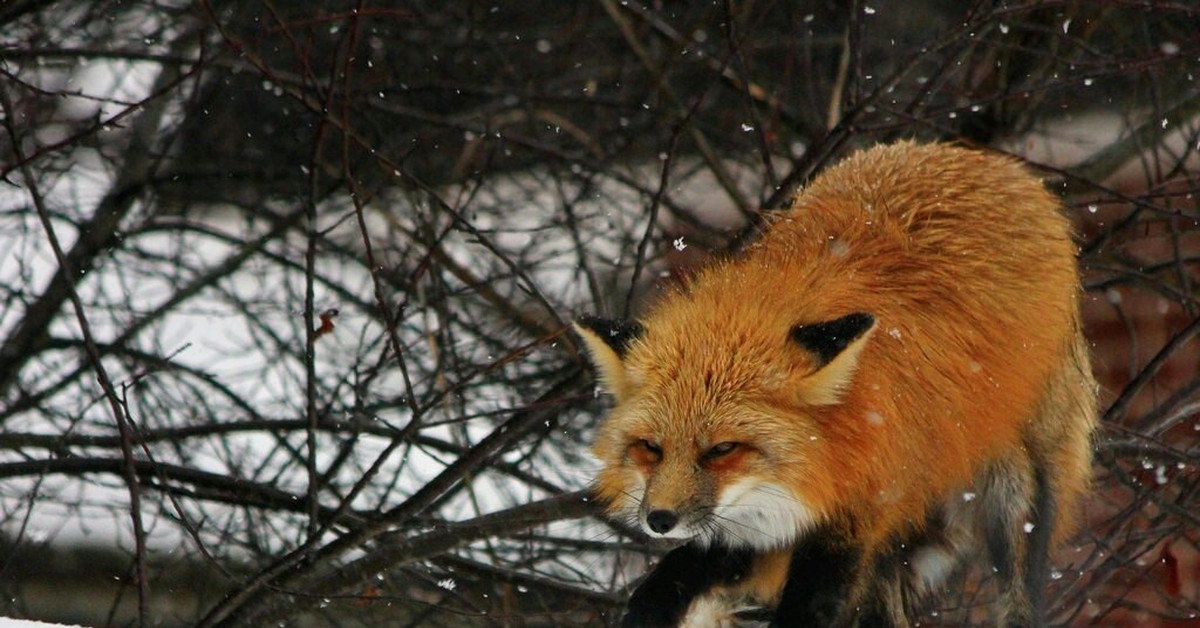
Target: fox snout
684, 522
661, 521
747, 512
660, 517
677, 499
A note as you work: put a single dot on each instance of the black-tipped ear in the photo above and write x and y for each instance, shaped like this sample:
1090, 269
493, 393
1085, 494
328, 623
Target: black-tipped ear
836, 345
616, 333
606, 342
829, 339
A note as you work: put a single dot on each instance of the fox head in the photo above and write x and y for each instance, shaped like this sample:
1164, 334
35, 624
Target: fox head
715, 435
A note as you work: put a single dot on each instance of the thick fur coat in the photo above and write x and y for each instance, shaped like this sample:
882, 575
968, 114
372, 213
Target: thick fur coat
892, 377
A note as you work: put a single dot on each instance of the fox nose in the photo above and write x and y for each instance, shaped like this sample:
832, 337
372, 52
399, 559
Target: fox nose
661, 521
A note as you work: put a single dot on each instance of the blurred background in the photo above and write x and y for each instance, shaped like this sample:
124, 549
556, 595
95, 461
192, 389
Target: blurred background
190, 189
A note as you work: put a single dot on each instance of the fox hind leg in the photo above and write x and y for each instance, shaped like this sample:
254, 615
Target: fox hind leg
1045, 486
1018, 522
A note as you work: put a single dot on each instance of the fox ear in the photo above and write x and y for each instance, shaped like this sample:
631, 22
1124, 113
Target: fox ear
607, 341
836, 345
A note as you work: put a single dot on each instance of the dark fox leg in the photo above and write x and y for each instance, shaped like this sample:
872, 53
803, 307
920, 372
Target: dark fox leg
834, 583
825, 576
1058, 447
662, 598
1037, 552
904, 579
944, 547
884, 603
1018, 521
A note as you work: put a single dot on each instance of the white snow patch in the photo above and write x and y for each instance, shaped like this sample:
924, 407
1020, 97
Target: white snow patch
5, 622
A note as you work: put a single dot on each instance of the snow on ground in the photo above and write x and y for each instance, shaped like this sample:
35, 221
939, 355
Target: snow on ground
24, 623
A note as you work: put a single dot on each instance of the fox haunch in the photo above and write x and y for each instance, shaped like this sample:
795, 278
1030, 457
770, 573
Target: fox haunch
889, 382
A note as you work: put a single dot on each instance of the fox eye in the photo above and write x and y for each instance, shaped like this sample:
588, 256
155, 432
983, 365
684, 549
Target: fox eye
646, 450
721, 449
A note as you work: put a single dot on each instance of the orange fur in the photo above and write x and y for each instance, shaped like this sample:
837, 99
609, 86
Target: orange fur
975, 358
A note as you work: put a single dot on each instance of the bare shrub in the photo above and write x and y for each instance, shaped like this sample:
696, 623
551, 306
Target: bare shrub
189, 186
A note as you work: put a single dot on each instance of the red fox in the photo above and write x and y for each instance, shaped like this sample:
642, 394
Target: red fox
891, 380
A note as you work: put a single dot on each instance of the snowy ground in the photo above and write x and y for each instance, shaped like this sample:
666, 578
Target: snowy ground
23, 623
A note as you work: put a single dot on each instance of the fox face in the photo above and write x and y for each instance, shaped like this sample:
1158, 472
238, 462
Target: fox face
723, 446
708, 487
